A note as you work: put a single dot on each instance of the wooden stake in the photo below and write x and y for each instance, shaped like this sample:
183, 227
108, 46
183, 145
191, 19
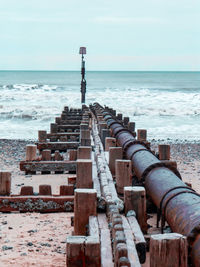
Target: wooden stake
44, 190
164, 152
42, 136
83, 210
26, 191
142, 135
31, 152
114, 154
104, 134
109, 142
131, 126
135, 199
126, 121
168, 250
73, 154
54, 128
46, 155
123, 170
84, 173
84, 152
5, 183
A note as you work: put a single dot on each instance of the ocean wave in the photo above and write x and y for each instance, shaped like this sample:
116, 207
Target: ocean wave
29, 87
36, 105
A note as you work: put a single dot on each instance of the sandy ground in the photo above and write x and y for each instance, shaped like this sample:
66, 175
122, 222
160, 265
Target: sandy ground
33, 239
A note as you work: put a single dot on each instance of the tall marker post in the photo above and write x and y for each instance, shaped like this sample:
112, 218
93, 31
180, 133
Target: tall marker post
82, 52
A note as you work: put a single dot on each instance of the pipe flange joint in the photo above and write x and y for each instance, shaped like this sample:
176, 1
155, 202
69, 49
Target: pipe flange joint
134, 142
113, 123
157, 165
120, 131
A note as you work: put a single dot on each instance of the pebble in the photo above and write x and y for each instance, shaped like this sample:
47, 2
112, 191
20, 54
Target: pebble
32, 231
45, 244
30, 244
23, 254
6, 248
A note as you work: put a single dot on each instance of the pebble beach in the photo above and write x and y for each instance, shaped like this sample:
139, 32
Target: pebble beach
34, 239
30, 239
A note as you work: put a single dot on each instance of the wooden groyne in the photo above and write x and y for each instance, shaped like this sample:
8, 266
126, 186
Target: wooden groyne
115, 184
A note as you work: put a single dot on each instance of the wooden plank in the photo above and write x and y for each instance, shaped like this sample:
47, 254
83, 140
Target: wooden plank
70, 122
37, 203
94, 227
68, 134
132, 252
95, 177
54, 166
72, 116
138, 238
69, 126
102, 220
57, 145
106, 249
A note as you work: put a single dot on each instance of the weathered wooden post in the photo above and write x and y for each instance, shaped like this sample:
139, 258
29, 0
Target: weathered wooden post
31, 152
84, 173
131, 126
102, 125
135, 199
75, 251
104, 134
53, 127
164, 152
142, 135
168, 250
57, 155
85, 134
66, 190
5, 183
119, 116
114, 154
82, 211
84, 152
110, 142
26, 191
42, 136
123, 171
45, 190
126, 121
72, 154
46, 155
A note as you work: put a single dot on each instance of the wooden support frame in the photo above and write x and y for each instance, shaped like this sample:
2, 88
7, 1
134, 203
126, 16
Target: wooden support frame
52, 166
36, 203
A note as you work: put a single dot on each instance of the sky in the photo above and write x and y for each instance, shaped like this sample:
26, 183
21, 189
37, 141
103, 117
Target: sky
119, 34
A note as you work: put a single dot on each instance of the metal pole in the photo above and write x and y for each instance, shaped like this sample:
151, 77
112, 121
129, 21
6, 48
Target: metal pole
83, 81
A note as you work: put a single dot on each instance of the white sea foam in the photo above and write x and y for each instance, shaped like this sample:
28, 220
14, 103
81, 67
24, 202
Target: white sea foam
167, 109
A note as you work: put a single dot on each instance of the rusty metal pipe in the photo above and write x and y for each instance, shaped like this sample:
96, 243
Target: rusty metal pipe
179, 204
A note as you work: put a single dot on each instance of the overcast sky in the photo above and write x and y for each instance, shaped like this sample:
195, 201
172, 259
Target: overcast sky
119, 35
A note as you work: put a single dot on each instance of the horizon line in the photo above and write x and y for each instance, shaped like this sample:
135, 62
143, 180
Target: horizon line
102, 70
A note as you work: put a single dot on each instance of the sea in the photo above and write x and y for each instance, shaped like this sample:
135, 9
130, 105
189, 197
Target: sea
167, 104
